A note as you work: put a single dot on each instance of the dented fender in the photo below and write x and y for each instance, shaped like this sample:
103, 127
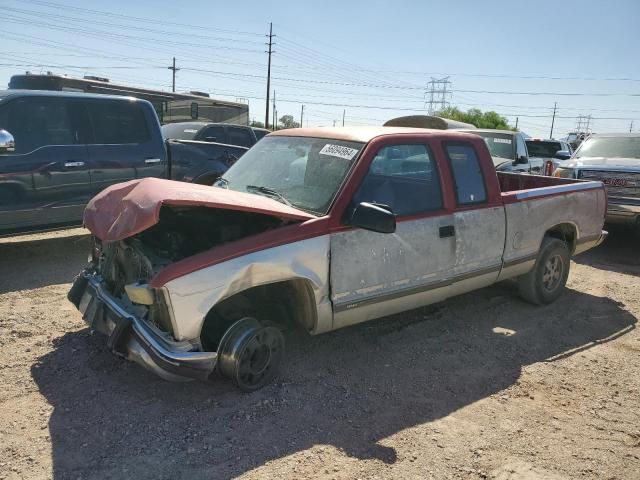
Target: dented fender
193, 295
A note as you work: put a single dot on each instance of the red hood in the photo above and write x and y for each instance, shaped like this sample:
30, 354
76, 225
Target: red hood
128, 208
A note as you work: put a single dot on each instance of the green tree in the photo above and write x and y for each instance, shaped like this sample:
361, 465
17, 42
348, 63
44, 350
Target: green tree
256, 124
476, 117
287, 121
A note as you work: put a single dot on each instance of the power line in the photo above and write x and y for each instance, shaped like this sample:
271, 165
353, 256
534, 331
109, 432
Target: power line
103, 13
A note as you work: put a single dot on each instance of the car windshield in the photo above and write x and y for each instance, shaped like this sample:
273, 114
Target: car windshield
624, 147
543, 149
180, 131
303, 171
500, 145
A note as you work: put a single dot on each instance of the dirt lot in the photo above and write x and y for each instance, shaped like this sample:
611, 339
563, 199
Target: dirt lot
481, 386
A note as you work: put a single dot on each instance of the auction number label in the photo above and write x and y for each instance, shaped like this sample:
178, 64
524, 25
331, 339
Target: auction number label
338, 151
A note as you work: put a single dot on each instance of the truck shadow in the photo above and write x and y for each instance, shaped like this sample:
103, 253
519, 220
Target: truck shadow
350, 389
620, 252
29, 264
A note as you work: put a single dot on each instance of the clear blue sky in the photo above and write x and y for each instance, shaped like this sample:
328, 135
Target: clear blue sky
360, 54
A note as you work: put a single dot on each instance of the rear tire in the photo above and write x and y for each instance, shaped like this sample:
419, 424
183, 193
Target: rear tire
545, 283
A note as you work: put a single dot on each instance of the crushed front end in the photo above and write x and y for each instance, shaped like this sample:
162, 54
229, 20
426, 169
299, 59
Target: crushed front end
115, 300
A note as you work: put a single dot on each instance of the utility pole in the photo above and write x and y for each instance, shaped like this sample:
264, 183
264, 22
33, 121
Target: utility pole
517, 118
270, 51
631, 126
275, 123
553, 120
173, 85
334, 123
343, 114
301, 115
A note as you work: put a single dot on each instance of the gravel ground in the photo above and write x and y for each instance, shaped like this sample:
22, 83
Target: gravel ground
480, 386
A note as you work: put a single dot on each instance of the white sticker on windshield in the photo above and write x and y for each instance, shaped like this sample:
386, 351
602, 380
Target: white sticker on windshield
190, 130
502, 140
338, 151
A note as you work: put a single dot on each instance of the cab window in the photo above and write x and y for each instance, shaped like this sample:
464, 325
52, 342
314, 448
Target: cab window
404, 178
36, 122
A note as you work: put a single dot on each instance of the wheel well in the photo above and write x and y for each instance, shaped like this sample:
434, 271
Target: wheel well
565, 232
289, 302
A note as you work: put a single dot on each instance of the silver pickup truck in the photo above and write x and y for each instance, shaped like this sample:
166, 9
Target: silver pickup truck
614, 159
322, 228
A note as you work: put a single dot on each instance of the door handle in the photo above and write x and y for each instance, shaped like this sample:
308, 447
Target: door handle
447, 231
152, 160
73, 164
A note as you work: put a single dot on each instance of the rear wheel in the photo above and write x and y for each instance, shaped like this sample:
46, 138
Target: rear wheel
250, 353
544, 284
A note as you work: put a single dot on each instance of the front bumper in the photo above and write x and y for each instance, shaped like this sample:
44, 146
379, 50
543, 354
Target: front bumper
623, 213
133, 338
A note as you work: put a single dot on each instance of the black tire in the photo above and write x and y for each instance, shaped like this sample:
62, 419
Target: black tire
250, 353
545, 283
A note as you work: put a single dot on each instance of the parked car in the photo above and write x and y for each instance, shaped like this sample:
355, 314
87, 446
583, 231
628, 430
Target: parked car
58, 149
509, 151
212, 132
614, 159
551, 152
353, 224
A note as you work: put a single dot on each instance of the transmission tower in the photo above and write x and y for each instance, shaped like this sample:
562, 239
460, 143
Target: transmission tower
437, 93
583, 123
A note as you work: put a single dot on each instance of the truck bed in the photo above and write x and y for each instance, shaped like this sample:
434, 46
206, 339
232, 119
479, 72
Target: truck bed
534, 204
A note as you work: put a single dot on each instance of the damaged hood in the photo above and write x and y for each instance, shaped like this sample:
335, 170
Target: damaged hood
125, 209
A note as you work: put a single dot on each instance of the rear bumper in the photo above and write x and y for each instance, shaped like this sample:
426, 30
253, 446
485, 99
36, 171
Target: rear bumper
590, 242
133, 338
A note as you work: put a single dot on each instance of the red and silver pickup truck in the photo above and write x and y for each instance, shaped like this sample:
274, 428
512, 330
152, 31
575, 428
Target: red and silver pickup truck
322, 228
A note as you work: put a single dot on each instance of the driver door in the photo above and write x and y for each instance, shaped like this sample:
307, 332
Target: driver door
377, 274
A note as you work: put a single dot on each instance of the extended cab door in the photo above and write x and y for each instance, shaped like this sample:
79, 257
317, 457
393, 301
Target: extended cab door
46, 181
127, 143
377, 274
479, 217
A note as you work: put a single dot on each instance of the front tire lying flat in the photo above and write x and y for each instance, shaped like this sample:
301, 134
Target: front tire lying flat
250, 353
545, 283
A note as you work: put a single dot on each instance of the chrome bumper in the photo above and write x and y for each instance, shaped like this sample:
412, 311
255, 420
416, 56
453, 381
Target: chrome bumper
622, 213
133, 338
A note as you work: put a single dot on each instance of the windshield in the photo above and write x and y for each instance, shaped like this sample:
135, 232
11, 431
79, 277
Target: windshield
500, 145
180, 131
625, 147
543, 149
303, 171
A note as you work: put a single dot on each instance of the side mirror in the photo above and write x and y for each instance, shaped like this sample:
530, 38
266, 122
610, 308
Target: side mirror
562, 155
521, 160
377, 218
7, 143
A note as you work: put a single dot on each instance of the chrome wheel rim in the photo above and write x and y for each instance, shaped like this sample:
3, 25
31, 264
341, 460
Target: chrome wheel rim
552, 273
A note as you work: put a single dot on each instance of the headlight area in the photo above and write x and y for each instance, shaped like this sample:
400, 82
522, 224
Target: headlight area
154, 301
563, 172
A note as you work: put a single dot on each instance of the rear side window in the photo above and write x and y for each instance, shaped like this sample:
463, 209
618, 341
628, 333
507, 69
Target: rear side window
239, 136
118, 122
214, 134
467, 174
36, 122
